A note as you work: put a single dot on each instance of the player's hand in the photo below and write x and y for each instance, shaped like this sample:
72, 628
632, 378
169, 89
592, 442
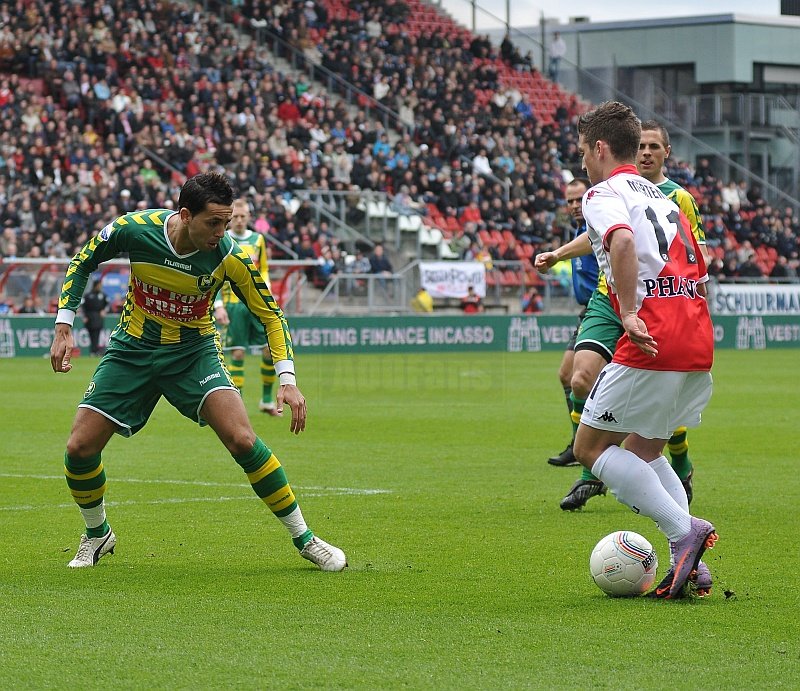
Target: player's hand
637, 332
291, 395
221, 316
544, 261
61, 349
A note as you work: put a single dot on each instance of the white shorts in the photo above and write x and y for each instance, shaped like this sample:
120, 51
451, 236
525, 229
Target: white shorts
649, 402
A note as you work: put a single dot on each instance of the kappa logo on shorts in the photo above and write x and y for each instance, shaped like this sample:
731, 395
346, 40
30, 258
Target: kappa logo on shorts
89, 390
608, 416
205, 282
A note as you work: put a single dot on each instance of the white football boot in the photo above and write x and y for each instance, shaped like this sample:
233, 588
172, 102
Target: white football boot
92, 548
327, 557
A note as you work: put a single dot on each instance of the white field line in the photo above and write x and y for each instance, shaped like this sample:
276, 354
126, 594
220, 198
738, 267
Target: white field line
306, 492
135, 502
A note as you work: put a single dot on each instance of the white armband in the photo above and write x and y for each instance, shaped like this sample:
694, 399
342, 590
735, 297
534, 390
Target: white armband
65, 317
287, 378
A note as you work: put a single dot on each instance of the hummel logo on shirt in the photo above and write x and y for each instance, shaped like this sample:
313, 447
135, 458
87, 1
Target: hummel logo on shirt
607, 417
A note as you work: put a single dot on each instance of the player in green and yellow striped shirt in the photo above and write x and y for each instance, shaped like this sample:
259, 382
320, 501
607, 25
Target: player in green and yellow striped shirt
166, 344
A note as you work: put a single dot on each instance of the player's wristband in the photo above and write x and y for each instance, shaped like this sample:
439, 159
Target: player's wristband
65, 317
287, 378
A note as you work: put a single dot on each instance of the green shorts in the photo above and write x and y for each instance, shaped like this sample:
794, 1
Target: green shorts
131, 378
600, 329
244, 330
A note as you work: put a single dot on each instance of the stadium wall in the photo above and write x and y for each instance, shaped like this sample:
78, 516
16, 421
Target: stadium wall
31, 335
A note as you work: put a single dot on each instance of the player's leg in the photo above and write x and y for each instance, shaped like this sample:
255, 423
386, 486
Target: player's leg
199, 386
701, 582
566, 457
624, 400
236, 367
595, 344
224, 411
237, 336
268, 376
86, 479
119, 398
678, 445
268, 379
586, 368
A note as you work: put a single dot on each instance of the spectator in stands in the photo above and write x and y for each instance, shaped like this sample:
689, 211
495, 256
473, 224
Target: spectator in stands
31, 306
448, 200
360, 266
403, 203
481, 165
471, 302
704, 175
555, 53
749, 269
532, 302
782, 269
730, 197
380, 265
326, 267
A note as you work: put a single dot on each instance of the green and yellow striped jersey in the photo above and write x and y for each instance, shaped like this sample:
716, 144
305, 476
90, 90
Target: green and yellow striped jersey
170, 295
687, 204
254, 244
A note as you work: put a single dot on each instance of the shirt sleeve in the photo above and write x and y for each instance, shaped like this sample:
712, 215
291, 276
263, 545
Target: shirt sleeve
107, 244
248, 285
688, 205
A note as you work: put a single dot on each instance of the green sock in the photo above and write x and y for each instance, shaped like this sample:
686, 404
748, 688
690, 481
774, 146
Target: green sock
679, 453
236, 370
86, 480
568, 396
99, 531
269, 482
577, 411
302, 540
268, 378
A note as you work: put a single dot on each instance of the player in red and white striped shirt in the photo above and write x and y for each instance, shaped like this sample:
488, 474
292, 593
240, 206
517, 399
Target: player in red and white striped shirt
659, 378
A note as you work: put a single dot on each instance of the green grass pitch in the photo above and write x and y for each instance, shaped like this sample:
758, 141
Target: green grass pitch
430, 472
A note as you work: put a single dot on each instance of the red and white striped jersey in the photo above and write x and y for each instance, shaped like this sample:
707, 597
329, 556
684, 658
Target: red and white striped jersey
670, 269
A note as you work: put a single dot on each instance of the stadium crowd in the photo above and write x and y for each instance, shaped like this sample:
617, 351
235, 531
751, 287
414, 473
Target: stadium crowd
96, 97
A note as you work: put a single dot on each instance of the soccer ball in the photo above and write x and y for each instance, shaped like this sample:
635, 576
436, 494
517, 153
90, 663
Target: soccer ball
623, 564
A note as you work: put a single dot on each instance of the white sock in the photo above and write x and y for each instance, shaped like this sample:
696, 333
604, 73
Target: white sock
294, 522
95, 516
635, 484
670, 481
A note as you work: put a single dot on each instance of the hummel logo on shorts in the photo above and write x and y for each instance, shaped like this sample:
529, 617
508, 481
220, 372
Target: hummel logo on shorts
607, 417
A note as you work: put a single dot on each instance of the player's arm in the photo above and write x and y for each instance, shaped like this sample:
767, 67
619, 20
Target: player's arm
577, 247
249, 287
625, 269
220, 313
107, 244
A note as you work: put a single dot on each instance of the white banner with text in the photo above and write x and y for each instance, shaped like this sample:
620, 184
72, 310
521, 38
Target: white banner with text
734, 299
451, 279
